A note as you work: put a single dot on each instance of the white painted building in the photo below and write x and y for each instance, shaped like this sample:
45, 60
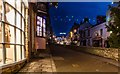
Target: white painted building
98, 35
94, 36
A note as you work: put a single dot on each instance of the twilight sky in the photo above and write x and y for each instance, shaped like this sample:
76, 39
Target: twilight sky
63, 17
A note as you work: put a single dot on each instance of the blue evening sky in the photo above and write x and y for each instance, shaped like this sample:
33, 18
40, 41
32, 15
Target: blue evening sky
63, 17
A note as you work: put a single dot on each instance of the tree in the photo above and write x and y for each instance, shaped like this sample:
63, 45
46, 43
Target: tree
114, 26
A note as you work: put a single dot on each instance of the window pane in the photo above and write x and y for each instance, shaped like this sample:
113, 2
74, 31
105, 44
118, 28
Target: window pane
18, 22
23, 52
38, 28
10, 14
41, 29
9, 53
18, 36
44, 30
40, 33
1, 54
38, 22
18, 52
23, 9
44, 23
18, 5
41, 21
9, 34
11, 2
44, 34
22, 38
23, 24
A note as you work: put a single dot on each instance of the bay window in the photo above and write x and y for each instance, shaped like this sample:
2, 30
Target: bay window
12, 31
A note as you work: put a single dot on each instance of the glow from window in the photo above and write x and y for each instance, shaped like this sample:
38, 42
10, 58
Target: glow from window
41, 26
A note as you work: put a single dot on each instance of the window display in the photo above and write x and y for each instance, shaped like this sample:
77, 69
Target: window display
41, 29
39, 26
12, 31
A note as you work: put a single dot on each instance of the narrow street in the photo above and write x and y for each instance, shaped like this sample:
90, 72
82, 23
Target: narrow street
59, 36
67, 60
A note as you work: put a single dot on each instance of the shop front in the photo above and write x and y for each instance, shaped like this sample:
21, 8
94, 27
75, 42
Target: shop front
97, 41
42, 16
13, 31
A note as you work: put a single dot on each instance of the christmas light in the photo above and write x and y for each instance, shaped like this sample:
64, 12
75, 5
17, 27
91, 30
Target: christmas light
72, 16
111, 32
69, 19
77, 19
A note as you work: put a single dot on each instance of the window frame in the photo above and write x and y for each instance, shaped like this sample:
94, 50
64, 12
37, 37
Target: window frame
43, 28
22, 32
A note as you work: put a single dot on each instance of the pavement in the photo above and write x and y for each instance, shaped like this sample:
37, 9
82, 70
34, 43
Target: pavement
41, 63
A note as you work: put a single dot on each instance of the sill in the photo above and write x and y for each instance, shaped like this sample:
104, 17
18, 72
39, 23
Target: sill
11, 64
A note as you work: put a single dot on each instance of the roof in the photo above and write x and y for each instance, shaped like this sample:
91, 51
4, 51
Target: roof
85, 25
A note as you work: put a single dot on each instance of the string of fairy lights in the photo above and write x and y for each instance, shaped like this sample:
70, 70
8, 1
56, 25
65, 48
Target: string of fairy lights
70, 19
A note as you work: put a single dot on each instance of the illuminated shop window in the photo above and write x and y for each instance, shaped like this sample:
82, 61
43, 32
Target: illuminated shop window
12, 31
44, 29
41, 28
